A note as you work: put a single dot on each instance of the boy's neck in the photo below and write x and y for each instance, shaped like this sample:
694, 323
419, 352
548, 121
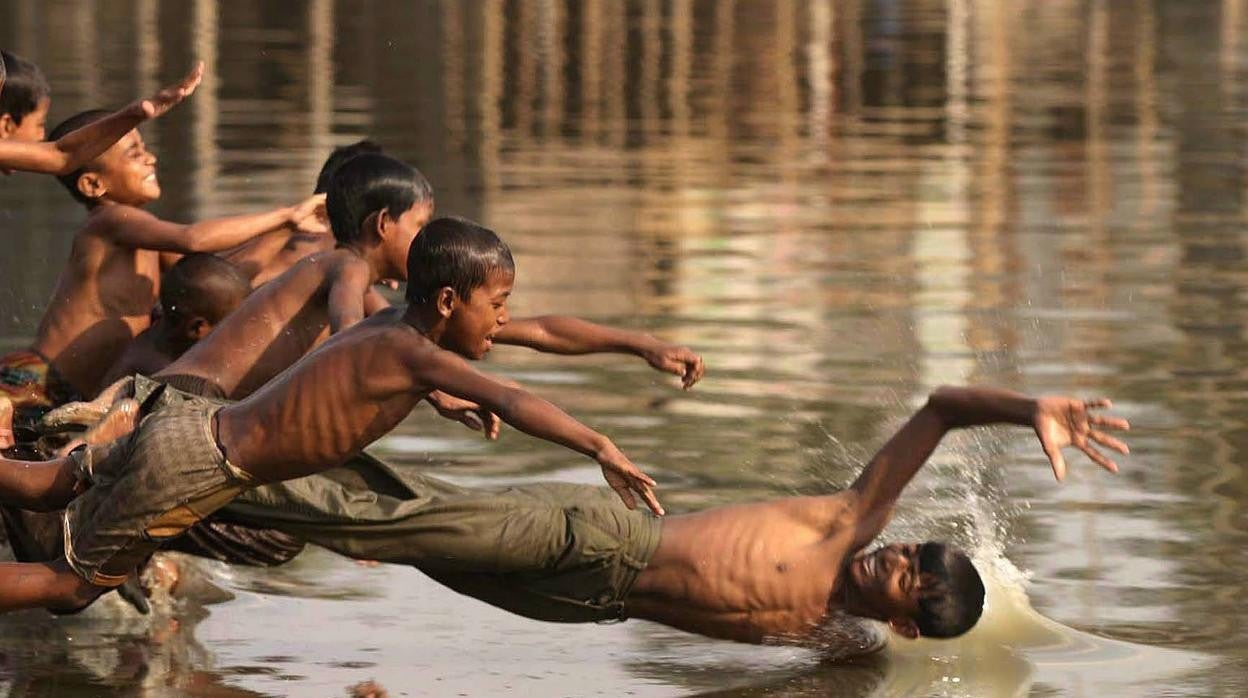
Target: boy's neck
373, 256
167, 340
427, 321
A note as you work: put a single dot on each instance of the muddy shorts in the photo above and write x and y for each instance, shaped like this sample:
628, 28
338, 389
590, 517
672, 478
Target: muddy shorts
34, 387
146, 489
553, 552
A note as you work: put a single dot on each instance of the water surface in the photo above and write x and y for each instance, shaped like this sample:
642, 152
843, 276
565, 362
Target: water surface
841, 205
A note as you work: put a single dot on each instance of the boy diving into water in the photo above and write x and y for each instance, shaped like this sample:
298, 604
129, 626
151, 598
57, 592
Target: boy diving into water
755, 572
24, 107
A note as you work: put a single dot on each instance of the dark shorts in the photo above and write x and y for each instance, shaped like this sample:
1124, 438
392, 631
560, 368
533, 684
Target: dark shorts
145, 490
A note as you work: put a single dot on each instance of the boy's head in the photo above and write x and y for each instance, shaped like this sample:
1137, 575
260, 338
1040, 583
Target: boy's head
24, 99
464, 273
125, 173
376, 201
929, 589
339, 156
197, 293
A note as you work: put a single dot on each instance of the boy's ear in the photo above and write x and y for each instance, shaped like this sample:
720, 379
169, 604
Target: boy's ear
198, 328
445, 301
382, 224
7, 126
904, 627
91, 185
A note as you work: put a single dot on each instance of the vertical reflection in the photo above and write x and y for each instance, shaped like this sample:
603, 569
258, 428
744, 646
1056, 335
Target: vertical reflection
821, 74
552, 34
453, 75
320, 56
205, 109
489, 102
148, 49
1146, 116
590, 72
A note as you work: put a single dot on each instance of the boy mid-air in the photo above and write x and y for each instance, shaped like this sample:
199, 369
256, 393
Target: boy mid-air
106, 291
24, 102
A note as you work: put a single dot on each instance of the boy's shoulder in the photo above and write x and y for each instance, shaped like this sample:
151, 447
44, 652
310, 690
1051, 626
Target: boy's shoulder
103, 220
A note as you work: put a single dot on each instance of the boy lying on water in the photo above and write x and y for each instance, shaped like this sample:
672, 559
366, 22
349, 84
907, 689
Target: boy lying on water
24, 102
186, 461
106, 291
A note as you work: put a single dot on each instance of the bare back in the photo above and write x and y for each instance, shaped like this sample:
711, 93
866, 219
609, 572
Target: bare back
751, 572
346, 394
277, 324
103, 298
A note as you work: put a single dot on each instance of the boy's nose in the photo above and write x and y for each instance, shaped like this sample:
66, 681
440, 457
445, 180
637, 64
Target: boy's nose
504, 317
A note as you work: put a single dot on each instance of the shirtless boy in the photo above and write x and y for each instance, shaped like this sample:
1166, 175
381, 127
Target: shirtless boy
186, 461
782, 571
268, 256
376, 207
21, 124
106, 291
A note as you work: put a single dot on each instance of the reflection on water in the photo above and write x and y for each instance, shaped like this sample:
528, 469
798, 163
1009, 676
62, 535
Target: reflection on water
841, 204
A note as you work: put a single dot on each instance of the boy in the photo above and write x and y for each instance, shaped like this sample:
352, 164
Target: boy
21, 124
195, 295
266, 257
330, 291
173, 470
106, 292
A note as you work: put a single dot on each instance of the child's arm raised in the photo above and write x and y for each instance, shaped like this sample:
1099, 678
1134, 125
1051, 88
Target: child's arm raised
445, 371
560, 334
134, 227
79, 147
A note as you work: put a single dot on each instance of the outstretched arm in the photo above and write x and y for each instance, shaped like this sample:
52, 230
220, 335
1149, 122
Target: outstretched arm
134, 227
1057, 421
442, 370
560, 334
75, 149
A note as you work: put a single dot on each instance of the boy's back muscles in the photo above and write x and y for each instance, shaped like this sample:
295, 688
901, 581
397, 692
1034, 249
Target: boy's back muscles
277, 324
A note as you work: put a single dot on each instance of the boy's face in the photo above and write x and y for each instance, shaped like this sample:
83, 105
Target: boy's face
471, 326
125, 173
32, 128
399, 234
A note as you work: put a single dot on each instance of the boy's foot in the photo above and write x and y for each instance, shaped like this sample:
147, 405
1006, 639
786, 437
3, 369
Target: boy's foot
79, 415
6, 423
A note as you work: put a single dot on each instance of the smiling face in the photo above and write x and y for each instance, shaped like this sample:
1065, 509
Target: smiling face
889, 580
474, 320
125, 173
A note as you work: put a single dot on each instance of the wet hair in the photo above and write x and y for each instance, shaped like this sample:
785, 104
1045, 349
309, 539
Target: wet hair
24, 87
3, 72
338, 157
66, 127
455, 253
367, 184
202, 285
953, 598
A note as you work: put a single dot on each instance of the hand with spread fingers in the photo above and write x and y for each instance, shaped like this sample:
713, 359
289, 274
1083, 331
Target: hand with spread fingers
171, 96
1060, 422
626, 479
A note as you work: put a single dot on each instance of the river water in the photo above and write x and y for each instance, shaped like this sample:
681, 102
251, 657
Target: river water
841, 205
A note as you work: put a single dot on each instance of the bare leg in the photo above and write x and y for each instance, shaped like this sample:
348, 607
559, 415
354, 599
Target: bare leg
6, 423
37, 485
50, 585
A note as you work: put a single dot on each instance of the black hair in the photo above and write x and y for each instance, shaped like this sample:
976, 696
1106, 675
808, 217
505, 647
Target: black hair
367, 184
953, 594
66, 127
24, 87
202, 285
339, 156
453, 252
3, 71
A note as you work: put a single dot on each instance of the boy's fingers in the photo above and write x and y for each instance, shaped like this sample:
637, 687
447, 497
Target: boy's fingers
1109, 442
1057, 460
651, 501
625, 494
1098, 403
1110, 422
1099, 458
